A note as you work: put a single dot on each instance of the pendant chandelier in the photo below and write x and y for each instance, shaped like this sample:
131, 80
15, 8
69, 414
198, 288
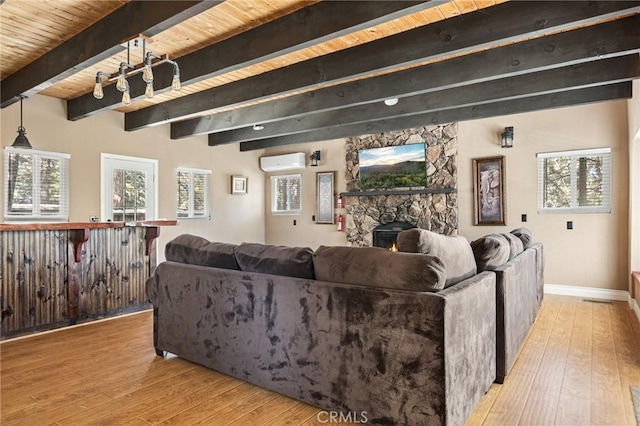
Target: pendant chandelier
21, 140
149, 60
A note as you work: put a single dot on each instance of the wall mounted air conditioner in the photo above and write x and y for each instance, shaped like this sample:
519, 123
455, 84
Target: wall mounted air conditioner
278, 163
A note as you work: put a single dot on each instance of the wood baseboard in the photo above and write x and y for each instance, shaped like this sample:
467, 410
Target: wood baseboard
589, 292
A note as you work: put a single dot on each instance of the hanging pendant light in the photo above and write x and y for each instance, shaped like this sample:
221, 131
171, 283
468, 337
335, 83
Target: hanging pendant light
21, 140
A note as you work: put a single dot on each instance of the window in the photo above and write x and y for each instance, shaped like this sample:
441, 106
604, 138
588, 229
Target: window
36, 185
286, 194
575, 181
193, 193
128, 188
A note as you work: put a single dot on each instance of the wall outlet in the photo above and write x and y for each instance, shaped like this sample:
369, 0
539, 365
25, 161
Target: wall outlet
524, 217
94, 219
569, 224
295, 222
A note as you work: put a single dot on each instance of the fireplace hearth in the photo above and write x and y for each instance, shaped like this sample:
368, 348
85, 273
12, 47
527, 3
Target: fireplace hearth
385, 236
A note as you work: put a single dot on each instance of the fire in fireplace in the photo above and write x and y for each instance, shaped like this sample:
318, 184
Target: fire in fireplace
385, 235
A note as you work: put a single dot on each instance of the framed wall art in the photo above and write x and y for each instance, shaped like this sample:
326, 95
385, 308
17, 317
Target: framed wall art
239, 184
324, 191
489, 191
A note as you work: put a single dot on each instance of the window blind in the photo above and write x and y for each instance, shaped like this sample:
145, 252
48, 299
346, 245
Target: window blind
575, 181
193, 193
286, 194
36, 185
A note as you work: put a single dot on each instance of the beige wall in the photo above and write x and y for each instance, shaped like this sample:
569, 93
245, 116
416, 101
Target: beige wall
235, 218
595, 252
279, 229
633, 106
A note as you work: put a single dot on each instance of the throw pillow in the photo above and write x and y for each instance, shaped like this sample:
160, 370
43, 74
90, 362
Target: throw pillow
515, 245
490, 251
525, 235
454, 251
276, 260
196, 250
377, 267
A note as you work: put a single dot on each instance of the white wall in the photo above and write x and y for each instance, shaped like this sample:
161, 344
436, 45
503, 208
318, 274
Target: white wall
235, 218
595, 252
280, 229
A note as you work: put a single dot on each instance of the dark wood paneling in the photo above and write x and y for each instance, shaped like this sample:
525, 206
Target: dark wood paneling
597, 73
98, 42
463, 34
43, 287
314, 24
586, 44
526, 104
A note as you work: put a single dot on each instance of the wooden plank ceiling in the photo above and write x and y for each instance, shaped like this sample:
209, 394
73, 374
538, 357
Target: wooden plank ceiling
308, 70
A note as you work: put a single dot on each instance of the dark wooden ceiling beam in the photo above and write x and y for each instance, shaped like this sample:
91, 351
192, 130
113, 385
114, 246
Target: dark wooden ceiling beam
494, 109
597, 73
619, 37
503, 23
306, 27
98, 42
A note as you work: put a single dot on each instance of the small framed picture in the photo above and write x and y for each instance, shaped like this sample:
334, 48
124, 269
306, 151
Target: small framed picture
489, 191
325, 197
239, 184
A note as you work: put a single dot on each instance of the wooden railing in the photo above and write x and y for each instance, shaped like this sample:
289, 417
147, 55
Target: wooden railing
57, 274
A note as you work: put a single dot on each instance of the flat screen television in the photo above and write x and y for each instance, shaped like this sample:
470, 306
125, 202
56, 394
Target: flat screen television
401, 166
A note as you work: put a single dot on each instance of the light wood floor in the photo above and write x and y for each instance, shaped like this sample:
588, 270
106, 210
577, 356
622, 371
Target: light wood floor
575, 368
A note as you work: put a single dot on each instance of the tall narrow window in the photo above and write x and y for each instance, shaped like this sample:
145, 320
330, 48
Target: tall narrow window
36, 185
286, 194
575, 181
193, 193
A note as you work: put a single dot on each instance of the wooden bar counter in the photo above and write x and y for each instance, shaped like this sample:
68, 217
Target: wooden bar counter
58, 274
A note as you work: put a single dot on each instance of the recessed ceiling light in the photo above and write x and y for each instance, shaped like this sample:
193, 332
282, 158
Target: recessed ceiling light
258, 127
391, 102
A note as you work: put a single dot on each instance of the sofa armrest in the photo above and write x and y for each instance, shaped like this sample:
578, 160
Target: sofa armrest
470, 344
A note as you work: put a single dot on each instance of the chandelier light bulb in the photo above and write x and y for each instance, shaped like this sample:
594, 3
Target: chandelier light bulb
126, 97
148, 92
147, 73
121, 84
97, 91
175, 83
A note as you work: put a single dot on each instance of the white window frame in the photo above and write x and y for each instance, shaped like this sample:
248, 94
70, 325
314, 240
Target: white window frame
36, 215
207, 197
289, 211
104, 204
575, 155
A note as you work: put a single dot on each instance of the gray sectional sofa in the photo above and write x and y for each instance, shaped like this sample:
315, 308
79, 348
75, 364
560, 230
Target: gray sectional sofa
399, 338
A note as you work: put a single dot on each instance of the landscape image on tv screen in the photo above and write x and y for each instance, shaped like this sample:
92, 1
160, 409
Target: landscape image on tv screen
399, 166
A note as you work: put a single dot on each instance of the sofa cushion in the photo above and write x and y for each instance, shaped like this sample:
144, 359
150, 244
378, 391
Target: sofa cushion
454, 251
377, 267
491, 251
525, 235
196, 250
515, 245
276, 260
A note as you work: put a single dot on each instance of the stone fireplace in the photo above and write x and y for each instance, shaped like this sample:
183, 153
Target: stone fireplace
435, 209
386, 235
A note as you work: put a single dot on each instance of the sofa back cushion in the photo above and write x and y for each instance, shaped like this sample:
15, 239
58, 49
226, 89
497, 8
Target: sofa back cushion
515, 245
276, 260
525, 235
377, 267
491, 251
454, 251
196, 250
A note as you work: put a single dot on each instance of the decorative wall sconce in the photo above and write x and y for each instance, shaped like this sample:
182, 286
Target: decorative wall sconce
315, 158
21, 140
507, 137
149, 60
